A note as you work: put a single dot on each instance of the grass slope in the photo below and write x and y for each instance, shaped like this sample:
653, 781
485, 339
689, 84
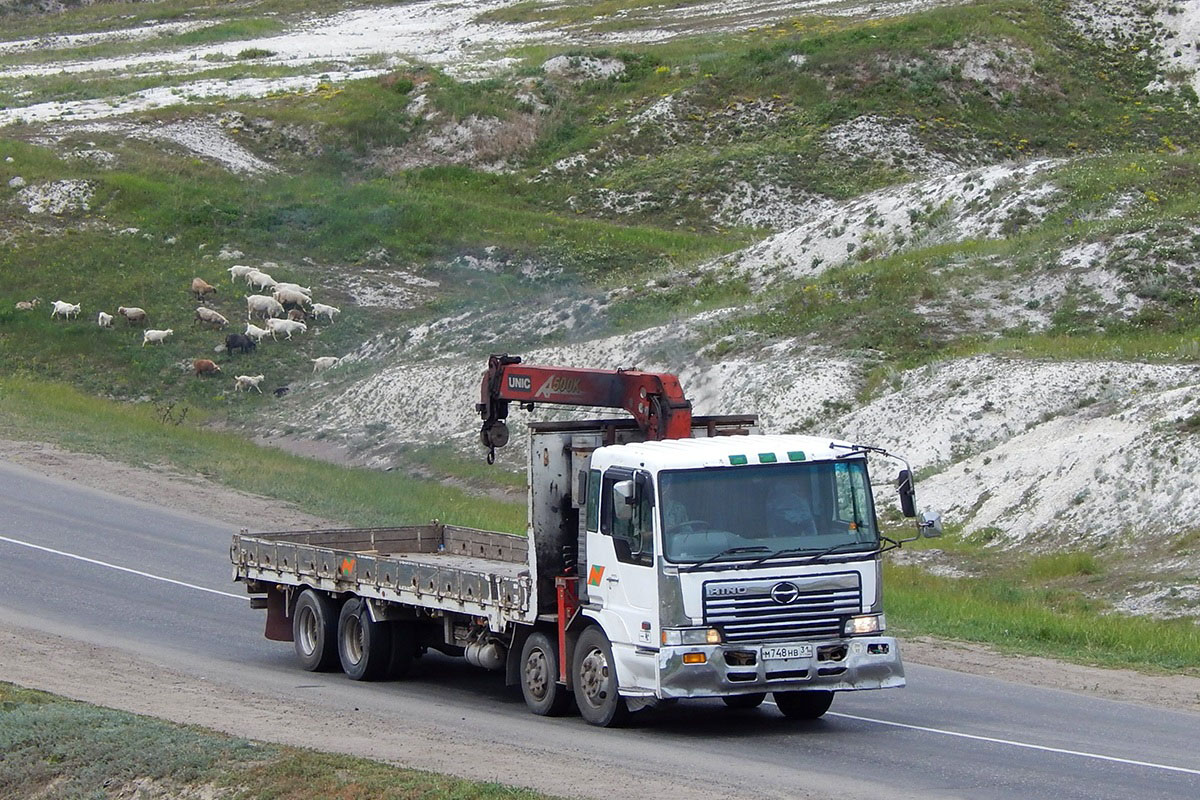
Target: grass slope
54, 747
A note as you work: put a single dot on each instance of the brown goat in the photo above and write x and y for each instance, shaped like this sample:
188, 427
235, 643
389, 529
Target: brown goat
204, 366
200, 287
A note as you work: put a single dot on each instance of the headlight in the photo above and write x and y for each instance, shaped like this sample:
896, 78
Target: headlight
673, 636
868, 623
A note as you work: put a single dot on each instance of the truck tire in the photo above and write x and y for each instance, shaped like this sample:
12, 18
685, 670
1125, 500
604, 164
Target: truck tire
544, 695
803, 705
314, 631
745, 700
364, 647
595, 679
404, 650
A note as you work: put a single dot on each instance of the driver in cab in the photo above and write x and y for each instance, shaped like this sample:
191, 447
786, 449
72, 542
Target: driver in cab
789, 512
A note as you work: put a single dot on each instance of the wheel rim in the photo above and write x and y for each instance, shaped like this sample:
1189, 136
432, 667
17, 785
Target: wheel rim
352, 638
537, 671
308, 631
594, 677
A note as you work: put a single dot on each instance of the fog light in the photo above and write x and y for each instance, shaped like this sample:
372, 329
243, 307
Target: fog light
695, 658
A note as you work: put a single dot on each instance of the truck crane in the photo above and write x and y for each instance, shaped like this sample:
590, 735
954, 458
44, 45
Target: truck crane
667, 556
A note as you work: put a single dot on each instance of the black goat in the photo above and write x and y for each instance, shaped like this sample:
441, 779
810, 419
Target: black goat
238, 341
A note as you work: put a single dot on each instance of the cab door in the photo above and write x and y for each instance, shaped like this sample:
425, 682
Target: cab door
622, 553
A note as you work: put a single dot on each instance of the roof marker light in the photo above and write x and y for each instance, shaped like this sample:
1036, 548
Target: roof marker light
767, 458
796, 455
737, 461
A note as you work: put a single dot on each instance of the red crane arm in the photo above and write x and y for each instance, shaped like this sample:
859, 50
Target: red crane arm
654, 399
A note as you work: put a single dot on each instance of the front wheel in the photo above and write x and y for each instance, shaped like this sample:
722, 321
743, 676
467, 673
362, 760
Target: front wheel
364, 647
544, 695
745, 700
803, 705
595, 677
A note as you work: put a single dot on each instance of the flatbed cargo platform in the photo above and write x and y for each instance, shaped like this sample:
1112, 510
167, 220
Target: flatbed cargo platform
466, 570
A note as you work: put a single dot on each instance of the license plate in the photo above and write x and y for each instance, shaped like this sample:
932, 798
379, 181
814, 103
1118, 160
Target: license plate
787, 651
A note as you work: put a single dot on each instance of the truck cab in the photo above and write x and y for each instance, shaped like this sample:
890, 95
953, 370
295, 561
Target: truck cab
735, 566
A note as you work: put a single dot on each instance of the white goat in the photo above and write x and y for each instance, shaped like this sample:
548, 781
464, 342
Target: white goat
206, 314
254, 332
262, 305
290, 296
244, 383
104, 320
295, 287
322, 310
259, 279
28, 305
324, 363
238, 271
288, 326
66, 310
157, 337
132, 314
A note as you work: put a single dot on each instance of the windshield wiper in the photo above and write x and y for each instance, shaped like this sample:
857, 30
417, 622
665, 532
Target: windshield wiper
810, 559
728, 552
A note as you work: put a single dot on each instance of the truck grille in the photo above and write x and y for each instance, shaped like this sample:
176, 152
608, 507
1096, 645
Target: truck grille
750, 611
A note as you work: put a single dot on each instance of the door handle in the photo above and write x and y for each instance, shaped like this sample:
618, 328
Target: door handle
613, 579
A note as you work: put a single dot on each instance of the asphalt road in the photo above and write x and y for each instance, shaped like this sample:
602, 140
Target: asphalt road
154, 583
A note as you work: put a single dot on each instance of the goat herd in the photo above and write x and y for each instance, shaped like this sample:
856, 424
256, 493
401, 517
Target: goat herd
287, 310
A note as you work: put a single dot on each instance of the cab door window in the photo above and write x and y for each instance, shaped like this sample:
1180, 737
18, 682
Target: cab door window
627, 515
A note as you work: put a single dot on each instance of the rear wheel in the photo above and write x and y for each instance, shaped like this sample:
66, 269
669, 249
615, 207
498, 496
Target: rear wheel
803, 705
314, 631
364, 647
745, 700
544, 695
595, 681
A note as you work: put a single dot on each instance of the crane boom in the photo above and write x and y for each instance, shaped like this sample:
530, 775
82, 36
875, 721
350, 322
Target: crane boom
654, 399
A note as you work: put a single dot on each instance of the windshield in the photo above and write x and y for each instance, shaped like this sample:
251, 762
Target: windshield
799, 507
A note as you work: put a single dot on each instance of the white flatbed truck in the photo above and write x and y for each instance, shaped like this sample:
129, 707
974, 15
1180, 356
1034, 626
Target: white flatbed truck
656, 565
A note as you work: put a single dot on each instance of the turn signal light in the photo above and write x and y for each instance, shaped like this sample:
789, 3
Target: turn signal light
694, 658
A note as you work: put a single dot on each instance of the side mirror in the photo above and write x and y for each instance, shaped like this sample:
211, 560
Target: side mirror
908, 500
930, 524
627, 492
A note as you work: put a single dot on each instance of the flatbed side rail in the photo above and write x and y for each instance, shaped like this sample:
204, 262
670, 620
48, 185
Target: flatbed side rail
482, 573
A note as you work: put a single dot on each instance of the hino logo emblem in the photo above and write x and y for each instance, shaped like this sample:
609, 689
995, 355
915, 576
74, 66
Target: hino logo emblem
784, 593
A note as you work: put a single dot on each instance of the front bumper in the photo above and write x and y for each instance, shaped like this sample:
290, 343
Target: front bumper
861, 662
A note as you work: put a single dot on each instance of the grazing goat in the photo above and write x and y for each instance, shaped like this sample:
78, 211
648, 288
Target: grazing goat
104, 320
254, 332
322, 310
245, 383
263, 306
285, 296
259, 279
295, 287
280, 391
66, 310
201, 287
157, 337
238, 271
324, 362
205, 314
288, 326
238, 341
132, 315
204, 366
297, 315
28, 305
